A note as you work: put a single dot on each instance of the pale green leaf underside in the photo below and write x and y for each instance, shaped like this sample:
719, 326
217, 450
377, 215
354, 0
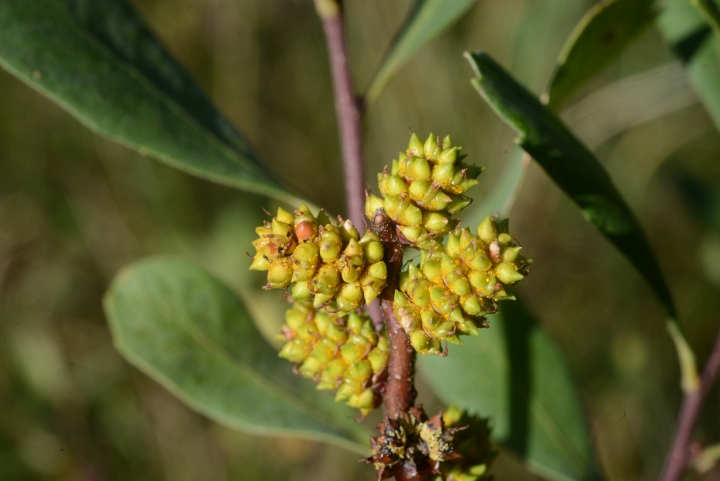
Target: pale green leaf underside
571, 166
99, 61
600, 36
514, 374
188, 331
427, 20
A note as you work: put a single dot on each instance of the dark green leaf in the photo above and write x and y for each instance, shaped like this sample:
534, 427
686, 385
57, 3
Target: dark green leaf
571, 165
600, 36
514, 373
427, 20
97, 60
693, 41
193, 335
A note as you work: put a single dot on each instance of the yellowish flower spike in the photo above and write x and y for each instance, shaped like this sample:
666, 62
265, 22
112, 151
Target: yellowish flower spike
317, 260
424, 189
340, 353
456, 284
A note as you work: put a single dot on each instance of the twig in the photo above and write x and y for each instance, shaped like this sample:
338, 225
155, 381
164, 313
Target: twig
347, 108
400, 391
679, 456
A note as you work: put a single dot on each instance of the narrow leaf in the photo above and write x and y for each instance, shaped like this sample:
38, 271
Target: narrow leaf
101, 63
194, 336
571, 165
600, 36
693, 41
514, 373
427, 20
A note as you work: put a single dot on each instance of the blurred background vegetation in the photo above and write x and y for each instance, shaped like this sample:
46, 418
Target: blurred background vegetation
75, 208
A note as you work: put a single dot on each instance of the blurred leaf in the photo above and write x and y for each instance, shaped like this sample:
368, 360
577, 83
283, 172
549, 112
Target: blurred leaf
630, 101
504, 190
710, 11
100, 62
571, 165
427, 20
514, 374
193, 335
600, 36
694, 43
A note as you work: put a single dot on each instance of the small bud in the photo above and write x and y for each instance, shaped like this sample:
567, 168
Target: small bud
415, 145
430, 147
487, 230
279, 274
507, 274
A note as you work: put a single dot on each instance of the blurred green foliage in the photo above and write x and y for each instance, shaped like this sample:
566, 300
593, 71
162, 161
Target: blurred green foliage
74, 208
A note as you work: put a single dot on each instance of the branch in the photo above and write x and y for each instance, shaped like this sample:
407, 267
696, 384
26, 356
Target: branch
679, 456
400, 390
347, 108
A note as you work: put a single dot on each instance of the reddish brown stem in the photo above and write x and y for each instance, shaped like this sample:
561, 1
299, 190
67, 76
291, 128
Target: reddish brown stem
679, 456
347, 107
400, 388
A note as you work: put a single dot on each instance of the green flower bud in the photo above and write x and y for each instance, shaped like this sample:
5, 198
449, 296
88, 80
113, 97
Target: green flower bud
330, 244
348, 231
260, 262
332, 375
326, 281
284, 216
359, 372
372, 247
431, 146
507, 274
301, 291
279, 274
378, 359
416, 145
487, 230
372, 204
295, 350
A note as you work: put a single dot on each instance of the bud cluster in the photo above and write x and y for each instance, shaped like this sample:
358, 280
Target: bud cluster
343, 353
327, 263
471, 441
430, 446
424, 188
456, 284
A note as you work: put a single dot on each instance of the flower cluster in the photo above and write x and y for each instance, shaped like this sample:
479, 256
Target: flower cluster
456, 284
343, 353
424, 189
320, 261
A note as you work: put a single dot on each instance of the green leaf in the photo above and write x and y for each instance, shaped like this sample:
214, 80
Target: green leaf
710, 11
194, 336
97, 60
427, 20
693, 42
600, 36
571, 165
514, 373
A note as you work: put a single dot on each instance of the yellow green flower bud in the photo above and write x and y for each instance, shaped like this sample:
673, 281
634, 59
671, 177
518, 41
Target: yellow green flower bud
343, 353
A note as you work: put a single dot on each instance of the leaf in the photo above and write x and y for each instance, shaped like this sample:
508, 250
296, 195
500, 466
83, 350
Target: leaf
571, 165
427, 20
194, 336
514, 374
693, 42
600, 36
97, 60
710, 11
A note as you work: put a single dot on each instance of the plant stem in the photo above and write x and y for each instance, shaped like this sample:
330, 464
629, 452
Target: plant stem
400, 391
347, 108
679, 456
